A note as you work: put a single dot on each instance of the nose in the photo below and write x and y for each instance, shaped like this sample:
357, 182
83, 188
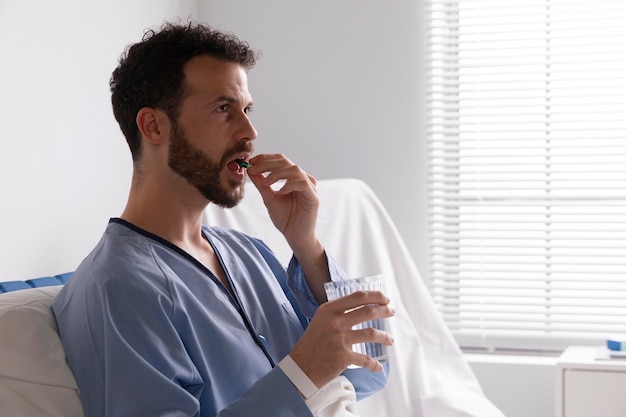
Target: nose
248, 132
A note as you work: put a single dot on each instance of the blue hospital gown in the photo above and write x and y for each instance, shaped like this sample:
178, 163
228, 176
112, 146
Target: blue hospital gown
149, 331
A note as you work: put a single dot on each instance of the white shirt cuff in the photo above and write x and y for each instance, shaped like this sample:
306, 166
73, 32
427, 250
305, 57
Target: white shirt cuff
335, 399
297, 377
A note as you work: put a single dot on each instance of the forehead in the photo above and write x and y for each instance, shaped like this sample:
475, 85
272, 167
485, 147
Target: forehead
210, 77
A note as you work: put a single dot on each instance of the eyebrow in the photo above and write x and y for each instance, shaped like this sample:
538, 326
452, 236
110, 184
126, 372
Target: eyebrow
230, 99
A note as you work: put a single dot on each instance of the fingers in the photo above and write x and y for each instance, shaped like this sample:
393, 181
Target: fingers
343, 316
367, 335
263, 163
348, 312
278, 167
326, 347
366, 362
371, 335
293, 207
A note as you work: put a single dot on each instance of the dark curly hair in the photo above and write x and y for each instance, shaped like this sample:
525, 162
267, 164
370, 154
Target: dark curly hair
151, 72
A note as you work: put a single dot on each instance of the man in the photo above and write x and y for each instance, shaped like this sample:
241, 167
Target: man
167, 317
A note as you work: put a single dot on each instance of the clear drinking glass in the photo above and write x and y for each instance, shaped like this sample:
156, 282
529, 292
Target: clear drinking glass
338, 289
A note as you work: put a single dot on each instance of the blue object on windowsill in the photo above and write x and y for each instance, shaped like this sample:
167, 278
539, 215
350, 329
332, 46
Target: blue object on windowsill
616, 344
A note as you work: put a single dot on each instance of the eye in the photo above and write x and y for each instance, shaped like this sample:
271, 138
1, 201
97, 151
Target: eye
247, 110
223, 108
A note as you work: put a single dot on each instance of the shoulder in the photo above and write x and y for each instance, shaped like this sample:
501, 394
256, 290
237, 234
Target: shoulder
123, 261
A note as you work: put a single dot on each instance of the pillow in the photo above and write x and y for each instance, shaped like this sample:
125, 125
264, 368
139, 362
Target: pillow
35, 379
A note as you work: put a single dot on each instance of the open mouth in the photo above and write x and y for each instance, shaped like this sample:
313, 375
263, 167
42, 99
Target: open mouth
237, 165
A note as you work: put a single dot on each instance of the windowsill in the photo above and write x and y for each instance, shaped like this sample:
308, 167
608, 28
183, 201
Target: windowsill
521, 358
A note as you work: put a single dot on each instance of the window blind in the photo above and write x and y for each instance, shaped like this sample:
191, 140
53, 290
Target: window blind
526, 117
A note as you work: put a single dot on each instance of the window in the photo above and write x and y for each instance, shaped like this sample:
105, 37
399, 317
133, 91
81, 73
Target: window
526, 108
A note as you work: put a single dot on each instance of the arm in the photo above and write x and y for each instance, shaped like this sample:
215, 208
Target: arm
293, 210
325, 349
365, 381
297, 291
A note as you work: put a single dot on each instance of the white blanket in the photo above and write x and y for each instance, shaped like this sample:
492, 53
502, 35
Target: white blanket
429, 376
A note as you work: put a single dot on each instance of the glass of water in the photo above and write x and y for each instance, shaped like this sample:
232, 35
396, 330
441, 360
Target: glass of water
338, 289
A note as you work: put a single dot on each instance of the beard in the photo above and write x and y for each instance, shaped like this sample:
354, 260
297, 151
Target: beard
201, 172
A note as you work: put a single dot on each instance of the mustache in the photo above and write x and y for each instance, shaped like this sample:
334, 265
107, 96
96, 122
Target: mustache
241, 147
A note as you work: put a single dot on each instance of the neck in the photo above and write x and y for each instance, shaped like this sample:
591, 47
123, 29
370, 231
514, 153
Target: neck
171, 212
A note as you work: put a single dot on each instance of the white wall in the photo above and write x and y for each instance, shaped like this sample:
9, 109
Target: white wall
64, 165
520, 386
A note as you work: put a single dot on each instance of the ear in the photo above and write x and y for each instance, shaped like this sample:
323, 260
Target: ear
153, 124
